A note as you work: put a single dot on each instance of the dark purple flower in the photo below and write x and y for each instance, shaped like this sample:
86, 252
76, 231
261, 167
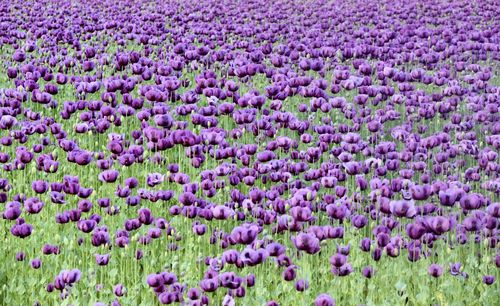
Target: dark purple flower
338, 260
435, 270
289, 273
306, 242
119, 290
40, 186
36, 263
13, 211
368, 271
489, 279
102, 260
403, 208
154, 179
145, 216
108, 176
324, 300
301, 285
209, 285
20, 256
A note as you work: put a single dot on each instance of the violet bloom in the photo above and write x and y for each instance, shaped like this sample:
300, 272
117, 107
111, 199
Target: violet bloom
36, 263
57, 197
435, 270
21, 230
324, 300
108, 176
102, 260
119, 290
194, 294
306, 242
439, 224
13, 211
70, 276
209, 285
368, 271
40, 186
20, 256
489, 279
343, 270
289, 274
338, 260
131, 182
145, 216
301, 285
456, 269
154, 179
403, 208
359, 221
365, 244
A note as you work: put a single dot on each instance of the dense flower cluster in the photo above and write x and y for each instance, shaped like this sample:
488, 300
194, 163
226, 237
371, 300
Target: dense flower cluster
263, 152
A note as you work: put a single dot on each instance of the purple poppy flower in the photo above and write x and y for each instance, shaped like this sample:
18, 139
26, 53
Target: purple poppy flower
21, 230
455, 269
12, 211
338, 260
301, 285
489, 279
435, 270
209, 285
289, 274
368, 271
20, 256
108, 176
154, 179
324, 300
40, 186
307, 242
145, 216
403, 208
36, 263
119, 290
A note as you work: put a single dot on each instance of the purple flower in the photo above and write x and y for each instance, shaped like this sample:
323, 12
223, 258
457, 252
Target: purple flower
70, 276
108, 176
368, 271
343, 270
324, 300
194, 294
36, 263
21, 230
154, 179
102, 260
13, 211
209, 285
489, 279
440, 224
306, 242
301, 285
20, 256
403, 208
39, 186
289, 274
435, 270
359, 221
338, 260
119, 290
145, 216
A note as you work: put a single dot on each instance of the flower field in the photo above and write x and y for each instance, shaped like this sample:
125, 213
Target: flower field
249, 152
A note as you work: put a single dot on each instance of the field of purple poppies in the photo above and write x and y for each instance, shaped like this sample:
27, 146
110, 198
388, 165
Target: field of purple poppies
249, 152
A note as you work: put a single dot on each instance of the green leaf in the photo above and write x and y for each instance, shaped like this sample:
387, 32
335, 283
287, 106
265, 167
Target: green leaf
21, 289
113, 273
400, 285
